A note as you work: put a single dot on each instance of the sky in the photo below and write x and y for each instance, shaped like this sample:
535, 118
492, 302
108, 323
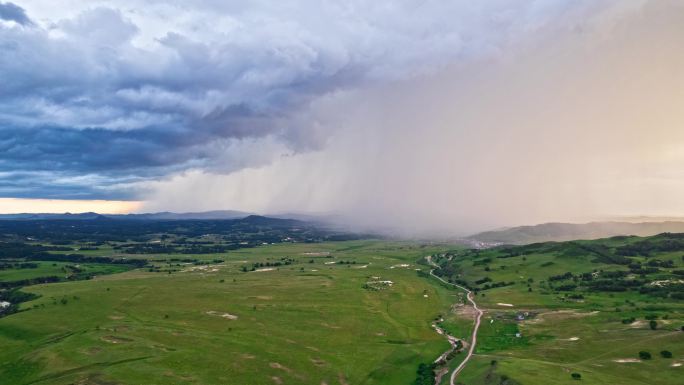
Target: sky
416, 116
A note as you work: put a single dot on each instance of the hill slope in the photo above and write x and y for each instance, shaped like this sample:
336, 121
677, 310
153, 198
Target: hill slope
570, 231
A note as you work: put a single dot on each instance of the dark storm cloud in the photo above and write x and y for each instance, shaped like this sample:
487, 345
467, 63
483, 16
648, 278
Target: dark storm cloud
106, 96
13, 12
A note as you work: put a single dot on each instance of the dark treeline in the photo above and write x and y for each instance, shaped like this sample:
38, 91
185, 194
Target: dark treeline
20, 265
253, 228
12, 252
14, 297
20, 250
666, 242
147, 248
78, 258
29, 282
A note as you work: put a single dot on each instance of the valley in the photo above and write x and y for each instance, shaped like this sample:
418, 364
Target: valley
147, 309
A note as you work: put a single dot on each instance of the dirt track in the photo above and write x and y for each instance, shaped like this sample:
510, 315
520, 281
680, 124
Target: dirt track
475, 329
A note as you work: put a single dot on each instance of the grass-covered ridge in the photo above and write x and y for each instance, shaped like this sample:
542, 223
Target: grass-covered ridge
585, 307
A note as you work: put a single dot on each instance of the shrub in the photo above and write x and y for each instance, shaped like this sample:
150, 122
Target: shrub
666, 354
644, 355
576, 376
424, 375
653, 324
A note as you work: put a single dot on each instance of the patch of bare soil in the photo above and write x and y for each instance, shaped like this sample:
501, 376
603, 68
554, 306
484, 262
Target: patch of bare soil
464, 311
330, 326
626, 360
440, 373
318, 362
342, 379
277, 380
93, 351
638, 324
276, 365
223, 315
561, 314
115, 339
94, 379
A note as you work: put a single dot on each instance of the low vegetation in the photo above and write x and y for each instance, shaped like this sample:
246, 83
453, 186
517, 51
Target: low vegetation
577, 307
192, 306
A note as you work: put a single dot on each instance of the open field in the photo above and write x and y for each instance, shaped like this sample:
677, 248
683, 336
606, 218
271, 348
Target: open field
60, 269
309, 322
352, 312
539, 329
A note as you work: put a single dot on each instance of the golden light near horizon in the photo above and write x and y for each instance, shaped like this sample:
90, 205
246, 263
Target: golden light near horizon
27, 205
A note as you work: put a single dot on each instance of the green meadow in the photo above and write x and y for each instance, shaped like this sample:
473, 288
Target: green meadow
540, 331
59, 269
346, 313
313, 321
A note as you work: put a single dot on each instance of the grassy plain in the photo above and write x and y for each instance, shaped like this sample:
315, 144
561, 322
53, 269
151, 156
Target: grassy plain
310, 322
559, 335
59, 269
326, 317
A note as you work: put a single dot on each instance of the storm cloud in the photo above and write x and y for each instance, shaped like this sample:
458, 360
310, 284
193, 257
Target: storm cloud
579, 121
13, 12
421, 116
126, 91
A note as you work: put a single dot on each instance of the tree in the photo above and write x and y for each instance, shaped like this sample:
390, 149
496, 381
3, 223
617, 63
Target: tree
653, 324
666, 354
424, 375
576, 376
644, 355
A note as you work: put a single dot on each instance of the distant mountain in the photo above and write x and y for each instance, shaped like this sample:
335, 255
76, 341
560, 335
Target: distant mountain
161, 216
65, 216
170, 216
572, 231
258, 220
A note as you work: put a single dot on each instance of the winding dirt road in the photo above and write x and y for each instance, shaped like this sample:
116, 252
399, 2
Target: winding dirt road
469, 295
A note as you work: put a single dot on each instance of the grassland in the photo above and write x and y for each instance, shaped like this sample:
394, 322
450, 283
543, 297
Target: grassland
309, 322
353, 312
60, 269
538, 331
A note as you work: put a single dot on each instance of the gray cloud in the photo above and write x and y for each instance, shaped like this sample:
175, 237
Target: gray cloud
13, 12
120, 90
580, 121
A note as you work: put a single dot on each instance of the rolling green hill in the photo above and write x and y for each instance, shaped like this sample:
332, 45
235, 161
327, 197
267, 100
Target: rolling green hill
585, 307
547, 232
